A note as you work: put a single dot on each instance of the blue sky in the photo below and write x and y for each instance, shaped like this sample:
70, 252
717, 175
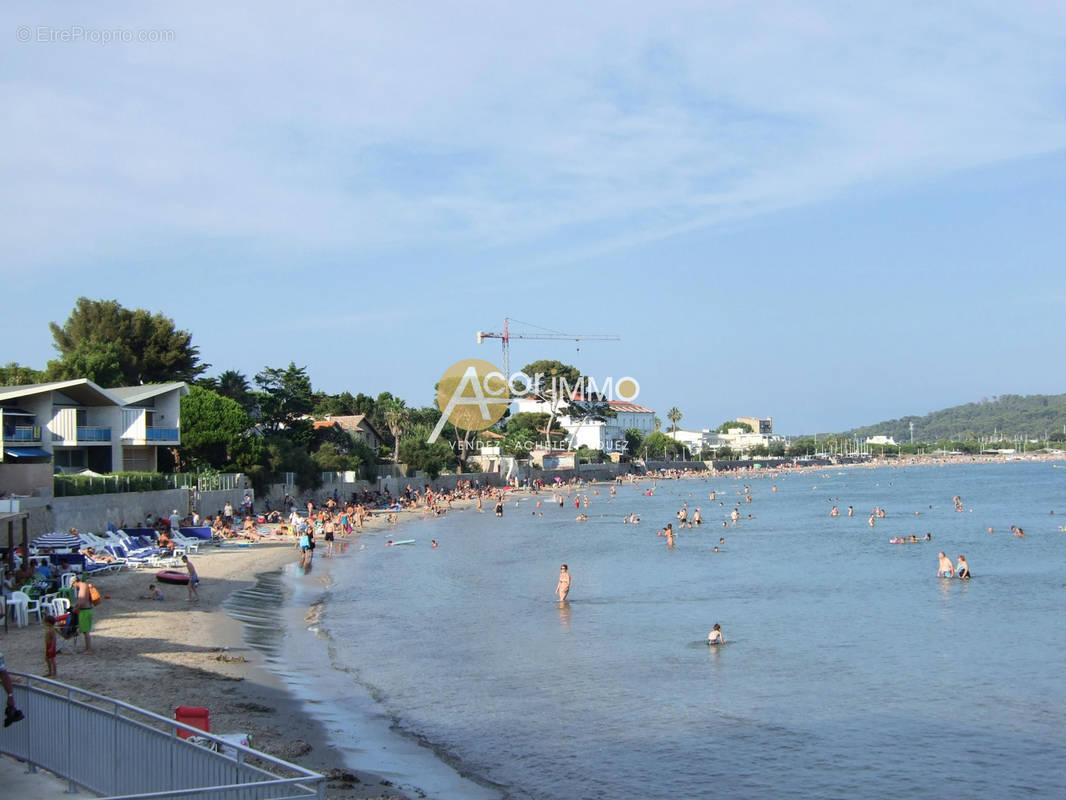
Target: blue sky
830, 213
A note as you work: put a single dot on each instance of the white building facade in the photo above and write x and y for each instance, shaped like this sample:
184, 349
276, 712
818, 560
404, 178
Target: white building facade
607, 434
76, 425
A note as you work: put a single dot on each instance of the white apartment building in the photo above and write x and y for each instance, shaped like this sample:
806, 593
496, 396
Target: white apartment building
606, 434
76, 425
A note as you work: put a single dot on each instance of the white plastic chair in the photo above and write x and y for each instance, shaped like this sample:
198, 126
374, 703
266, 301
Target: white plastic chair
60, 606
21, 607
190, 543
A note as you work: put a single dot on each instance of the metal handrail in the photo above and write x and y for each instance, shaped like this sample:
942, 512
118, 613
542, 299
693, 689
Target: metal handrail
138, 755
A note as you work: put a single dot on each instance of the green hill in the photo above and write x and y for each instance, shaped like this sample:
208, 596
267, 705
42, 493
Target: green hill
1005, 418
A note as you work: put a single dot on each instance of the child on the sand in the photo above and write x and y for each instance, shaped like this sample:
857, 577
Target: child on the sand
50, 646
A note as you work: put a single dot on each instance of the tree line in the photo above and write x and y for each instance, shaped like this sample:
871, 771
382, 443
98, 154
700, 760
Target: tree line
263, 426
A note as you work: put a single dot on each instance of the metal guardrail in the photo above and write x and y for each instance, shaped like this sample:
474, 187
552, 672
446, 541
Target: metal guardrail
126, 753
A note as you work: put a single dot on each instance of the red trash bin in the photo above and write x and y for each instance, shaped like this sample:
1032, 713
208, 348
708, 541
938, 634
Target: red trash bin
193, 716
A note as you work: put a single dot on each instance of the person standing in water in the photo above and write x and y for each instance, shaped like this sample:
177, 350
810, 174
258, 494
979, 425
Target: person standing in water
715, 636
962, 569
945, 570
562, 589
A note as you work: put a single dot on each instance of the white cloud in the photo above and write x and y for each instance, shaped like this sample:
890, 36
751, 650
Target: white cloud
349, 127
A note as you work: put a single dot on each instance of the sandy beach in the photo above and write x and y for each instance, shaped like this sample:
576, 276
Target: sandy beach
159, 655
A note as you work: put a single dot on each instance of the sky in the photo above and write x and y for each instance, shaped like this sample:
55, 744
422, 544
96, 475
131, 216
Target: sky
826, 213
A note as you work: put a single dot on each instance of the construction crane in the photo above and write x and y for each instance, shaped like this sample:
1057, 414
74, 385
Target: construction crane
506, 336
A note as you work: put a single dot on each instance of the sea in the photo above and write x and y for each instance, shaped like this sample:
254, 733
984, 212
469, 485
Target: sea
849, 669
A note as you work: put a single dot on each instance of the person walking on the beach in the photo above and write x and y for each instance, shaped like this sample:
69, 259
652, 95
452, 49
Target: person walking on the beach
563, 587
83, 608
194, 580
945, 570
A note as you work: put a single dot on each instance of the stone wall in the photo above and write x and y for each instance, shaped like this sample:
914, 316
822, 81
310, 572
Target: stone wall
695, 466
92, 512
26, 479
345, 489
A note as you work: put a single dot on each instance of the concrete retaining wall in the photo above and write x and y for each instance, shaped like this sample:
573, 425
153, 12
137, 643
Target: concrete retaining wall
345, 489
26, 479
695, 466
92, 512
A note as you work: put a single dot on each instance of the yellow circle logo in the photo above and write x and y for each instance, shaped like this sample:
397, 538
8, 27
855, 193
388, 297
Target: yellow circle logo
472, 394
627, 389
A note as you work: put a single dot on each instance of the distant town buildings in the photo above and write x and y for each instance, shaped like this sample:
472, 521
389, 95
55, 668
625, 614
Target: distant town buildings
738, 440
760, 425
606, 433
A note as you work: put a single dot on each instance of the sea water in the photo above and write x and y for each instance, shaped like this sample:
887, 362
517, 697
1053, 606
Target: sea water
850, 669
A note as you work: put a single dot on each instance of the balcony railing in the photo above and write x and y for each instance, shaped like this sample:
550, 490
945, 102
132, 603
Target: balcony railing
22, 433
161, 434
93, 434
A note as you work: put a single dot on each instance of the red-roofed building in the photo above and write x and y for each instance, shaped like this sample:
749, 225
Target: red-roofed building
356, 424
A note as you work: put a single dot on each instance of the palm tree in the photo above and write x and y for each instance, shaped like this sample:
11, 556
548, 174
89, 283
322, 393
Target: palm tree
397, 416
658, 423
234, 385
674, 415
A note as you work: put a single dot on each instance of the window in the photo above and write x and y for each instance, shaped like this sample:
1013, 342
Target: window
69, 458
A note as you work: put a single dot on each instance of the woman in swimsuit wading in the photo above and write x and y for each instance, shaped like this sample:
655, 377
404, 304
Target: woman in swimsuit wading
562, 589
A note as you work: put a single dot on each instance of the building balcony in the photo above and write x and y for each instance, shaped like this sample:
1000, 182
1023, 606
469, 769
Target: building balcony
161, 435
22, 433
86, 433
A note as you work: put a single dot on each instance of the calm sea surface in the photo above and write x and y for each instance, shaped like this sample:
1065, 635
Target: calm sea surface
851, 670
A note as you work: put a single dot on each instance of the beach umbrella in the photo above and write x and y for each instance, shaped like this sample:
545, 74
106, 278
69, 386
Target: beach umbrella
57, 541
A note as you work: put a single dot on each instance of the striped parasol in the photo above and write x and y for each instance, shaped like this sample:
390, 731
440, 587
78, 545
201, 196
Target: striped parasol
57, 541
